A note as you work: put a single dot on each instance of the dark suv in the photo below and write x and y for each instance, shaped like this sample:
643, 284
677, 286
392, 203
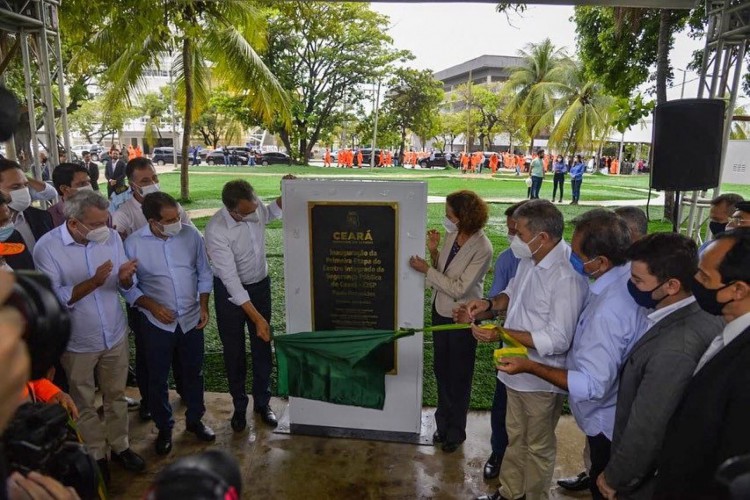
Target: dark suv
160, 156
439, 161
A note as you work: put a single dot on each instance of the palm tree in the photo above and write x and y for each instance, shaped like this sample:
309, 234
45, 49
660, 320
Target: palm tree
535, 86
740, 130
205, 40
582, 110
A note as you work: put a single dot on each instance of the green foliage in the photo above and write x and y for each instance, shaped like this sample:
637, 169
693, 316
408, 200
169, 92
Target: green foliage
95, 121
323, 54
628, 112
618, 46
412, 102
222, 120
534, 87
205, 41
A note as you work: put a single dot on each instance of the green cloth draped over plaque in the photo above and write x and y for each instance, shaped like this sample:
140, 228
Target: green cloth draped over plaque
338, 366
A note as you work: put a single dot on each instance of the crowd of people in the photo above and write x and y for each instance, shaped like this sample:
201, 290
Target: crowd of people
650, 343
647, 336
143, 248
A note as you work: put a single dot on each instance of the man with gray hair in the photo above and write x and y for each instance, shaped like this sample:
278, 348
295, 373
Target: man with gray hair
636, 220
542, 303
86, 263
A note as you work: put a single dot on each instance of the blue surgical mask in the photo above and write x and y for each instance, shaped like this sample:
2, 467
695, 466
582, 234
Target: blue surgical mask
6, 231
578, 264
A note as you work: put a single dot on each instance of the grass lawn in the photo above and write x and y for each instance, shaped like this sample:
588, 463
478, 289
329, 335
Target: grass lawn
205, 192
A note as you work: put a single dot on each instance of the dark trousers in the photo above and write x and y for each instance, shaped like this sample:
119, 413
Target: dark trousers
226, 159
536, 186
599, 447
576, 185
455, 352
499, 439
135, 322
161, 347
231, 321
558, 180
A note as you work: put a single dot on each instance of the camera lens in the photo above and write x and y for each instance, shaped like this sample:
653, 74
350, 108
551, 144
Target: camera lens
47, 323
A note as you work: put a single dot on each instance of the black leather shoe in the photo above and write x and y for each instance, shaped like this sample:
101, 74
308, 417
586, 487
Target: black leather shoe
239, 421
143, 413
580, 482
438, 438
494, 496
267, 416
129, 460
104, 470
492, 467
201, 431
163, 444
450, 446
132, 404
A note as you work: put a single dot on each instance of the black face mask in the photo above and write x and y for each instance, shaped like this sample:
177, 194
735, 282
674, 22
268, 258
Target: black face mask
645, 299
706, 297
717, 227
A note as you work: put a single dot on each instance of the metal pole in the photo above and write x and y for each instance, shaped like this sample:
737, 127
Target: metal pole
174, 124
375, 128
36, 170
45, 82
63, 100
682, 91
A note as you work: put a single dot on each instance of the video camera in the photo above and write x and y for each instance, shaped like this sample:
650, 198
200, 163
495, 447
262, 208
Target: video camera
41, 437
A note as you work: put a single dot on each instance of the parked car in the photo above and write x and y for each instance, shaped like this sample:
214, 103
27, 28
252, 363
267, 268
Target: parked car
236, 157
94, 149
160, 156
272, 158
440, 161
366, 153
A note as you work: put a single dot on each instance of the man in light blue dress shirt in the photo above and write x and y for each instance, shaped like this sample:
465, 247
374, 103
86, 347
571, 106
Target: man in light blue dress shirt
86, 263
174, 284
610, 324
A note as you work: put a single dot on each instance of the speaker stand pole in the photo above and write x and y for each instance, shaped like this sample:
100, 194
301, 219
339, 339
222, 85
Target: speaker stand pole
676, 213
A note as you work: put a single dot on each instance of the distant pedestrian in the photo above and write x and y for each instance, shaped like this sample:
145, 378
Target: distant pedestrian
559, 170
537, 174
576, 178
225, 152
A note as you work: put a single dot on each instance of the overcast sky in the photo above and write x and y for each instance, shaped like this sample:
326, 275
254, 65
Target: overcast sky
445, 34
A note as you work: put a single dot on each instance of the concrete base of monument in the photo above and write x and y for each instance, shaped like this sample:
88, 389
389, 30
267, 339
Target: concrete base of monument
290, 466
424, 437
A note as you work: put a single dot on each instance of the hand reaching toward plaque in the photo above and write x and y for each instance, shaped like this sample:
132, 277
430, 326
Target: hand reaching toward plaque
433, 240
418, 264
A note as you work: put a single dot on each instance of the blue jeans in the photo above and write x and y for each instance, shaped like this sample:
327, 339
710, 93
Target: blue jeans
576, 185
536, 186
499, 438
160, 346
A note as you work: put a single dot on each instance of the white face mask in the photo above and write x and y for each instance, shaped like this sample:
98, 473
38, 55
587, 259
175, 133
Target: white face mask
510, 237
172, 229
99, 235
151, 188
84, 188
522, 250
20, 199
252, 217
449, 225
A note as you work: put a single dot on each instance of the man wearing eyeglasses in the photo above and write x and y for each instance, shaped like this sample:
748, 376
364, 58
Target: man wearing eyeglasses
741, 216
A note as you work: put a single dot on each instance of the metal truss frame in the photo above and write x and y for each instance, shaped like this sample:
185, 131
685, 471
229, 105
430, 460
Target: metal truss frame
35, 23
727, 40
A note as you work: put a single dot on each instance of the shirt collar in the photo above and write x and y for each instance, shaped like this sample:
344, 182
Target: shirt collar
67, 238
735, 327
228, 218
611, 277
557, 253
659, 314
146, 231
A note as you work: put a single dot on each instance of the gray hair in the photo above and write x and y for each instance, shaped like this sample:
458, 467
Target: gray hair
76, 205
542, 217
635, 218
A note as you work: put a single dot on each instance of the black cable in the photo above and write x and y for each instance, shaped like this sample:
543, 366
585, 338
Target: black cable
676, 213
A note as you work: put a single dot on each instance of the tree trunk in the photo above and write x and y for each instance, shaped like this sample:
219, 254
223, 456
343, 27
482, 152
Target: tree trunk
662, 71
187, 63
531, 147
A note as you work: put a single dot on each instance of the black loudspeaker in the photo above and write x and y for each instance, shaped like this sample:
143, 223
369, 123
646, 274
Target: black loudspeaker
687, 144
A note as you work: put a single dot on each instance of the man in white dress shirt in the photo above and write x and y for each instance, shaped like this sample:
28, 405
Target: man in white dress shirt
543, 302
236, 244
